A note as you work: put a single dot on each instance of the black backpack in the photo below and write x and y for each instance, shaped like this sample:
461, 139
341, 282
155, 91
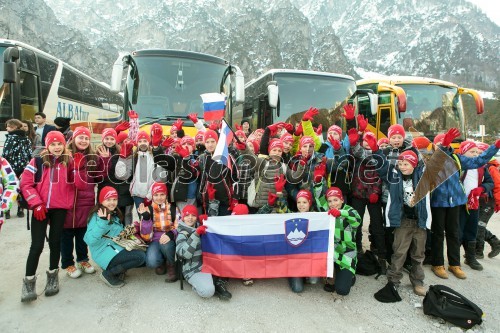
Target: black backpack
446, 303
368, 264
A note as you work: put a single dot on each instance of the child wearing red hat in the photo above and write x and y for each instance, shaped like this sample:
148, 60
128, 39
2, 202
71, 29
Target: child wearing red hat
157, 229
347, 221
104, 223
46, 192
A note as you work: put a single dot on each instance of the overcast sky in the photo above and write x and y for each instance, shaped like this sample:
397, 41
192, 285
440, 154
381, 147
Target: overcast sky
490, 7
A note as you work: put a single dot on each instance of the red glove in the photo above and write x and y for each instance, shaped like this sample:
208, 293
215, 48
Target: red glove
126, 148
299, 130
122, 127
78, 159
211, 191
202, 218
476, 192
183, 152
349, 112
334, 212
497, 143
452, 134
238, 127
362, 123
280, 182
167, 143
309, 115
353, 136
372, 143
319, 130
240, 146
39, 212
320, 172
288, 127
147, 202
156, 134
132, 114
233, 203
193, 117
201, 230
373, 198
335, 143
178, 123
214, 126
271, 199
472, 202
274, 128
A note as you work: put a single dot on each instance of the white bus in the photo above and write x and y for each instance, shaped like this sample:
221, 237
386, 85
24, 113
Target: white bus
34, 81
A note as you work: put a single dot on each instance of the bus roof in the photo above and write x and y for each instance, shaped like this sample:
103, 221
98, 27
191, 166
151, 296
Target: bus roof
395, 80
179, 54
9, 43
300, 71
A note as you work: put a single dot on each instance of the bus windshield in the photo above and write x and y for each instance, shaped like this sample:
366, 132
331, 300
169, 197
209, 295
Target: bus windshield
298, 92
432, 109
171, 87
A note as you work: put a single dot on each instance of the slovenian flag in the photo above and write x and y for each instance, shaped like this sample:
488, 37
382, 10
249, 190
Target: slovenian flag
269, 245
221, 153
214, 106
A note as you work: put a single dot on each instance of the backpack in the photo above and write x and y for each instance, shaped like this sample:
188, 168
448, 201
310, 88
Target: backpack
443, 302
368, 264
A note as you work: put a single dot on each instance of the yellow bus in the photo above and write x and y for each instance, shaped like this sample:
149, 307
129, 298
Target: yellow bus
428, 105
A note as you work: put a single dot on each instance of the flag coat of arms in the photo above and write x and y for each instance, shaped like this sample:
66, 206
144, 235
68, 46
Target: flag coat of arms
269, 245
214, 106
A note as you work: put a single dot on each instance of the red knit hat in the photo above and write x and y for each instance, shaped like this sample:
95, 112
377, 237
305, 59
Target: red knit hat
305, 140
396, 129
121, 137
210, 134
409, 156
80, 130
287, 137
158, 187
54, 136
421, 142
335, 128
240, 209
275, 143
382, 141
482, 146
109, 132
304, 194
240, 133
334, 192
369, 134
142, 135
255, 146
187, 140
438, 139
465, 146
190, 210
199, 136
107, 192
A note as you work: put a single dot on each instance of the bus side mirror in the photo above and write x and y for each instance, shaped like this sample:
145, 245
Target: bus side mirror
239, 85
272, 93
116, 75
10, 57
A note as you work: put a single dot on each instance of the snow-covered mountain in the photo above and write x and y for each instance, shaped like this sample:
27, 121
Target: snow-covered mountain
446, 39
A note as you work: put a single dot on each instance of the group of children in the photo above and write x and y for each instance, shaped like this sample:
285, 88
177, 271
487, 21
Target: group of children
175, 182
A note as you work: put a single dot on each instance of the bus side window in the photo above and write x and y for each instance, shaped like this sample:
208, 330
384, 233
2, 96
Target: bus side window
385, 120
47, 72
29, 95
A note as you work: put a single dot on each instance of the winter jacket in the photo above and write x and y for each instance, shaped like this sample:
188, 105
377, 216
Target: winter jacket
246, 173
157, 223
9, 186
266, 170
493, 168
55, 184
188, 248
451, 193
141, 167
17, 150
121, 186
392, 155
365, 180
102, 249
346, 225
219, 175
84, 199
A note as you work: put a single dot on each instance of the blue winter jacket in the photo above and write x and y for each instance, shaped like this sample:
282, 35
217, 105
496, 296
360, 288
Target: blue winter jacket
103, 249
451, 193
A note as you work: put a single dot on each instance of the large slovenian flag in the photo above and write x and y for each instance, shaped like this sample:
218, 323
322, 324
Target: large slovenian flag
269, 245
214, 106
221, 153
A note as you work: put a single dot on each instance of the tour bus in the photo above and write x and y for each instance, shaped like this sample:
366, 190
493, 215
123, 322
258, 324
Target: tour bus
432, 106
165, 85
285, 94
34, 81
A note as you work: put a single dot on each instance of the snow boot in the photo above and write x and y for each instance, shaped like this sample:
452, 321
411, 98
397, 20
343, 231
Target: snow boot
52, 286
221, 289
171, 273
481, 232
470, 256
29, 290
494, 243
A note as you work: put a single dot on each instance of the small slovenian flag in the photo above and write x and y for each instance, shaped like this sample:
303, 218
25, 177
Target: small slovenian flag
221, 153
214, 106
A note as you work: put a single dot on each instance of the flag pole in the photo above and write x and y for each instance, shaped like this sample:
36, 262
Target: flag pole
234, 134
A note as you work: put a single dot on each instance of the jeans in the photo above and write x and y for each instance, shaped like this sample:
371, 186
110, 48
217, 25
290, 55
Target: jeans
343, 280
408, 236
80, 246
157, 253
445, 220
203, 284
56, 218
468, 224
125, 260
376, 227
